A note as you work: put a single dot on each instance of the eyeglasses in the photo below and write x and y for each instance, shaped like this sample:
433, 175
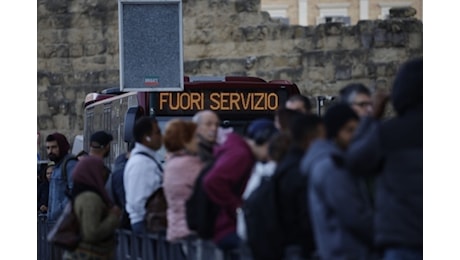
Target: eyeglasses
363, 104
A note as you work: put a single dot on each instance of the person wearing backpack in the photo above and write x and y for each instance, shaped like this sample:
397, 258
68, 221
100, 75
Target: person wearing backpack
277, 210
181, 169
226, 180
57, 148
143, 174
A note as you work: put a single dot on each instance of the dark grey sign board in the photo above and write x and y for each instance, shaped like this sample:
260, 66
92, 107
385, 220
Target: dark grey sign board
151, 48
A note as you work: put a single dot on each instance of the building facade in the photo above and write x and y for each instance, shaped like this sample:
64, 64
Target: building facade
314, 12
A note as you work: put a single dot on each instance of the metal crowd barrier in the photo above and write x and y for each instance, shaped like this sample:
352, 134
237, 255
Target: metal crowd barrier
144, 247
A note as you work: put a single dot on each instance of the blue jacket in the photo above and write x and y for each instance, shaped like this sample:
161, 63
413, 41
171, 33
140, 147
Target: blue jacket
57, 189
340, 206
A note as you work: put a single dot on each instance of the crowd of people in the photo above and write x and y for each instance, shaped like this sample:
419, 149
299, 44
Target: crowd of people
347, 185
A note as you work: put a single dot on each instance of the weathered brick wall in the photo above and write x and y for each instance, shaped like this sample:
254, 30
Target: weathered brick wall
78, 51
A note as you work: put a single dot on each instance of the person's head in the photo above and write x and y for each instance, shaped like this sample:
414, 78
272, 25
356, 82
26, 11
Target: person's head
147, 132
57, 147
358, 97
180, 135
304, 129
99, 144
300, 103
278, 146
341, 121
207, 124
90, 172
283, 116
49, 170
258, 135
407, 92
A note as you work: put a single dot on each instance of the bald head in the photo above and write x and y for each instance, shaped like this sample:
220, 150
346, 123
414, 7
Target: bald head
207, 124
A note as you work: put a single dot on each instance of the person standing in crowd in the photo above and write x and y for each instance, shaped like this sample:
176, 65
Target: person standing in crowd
207, 122
340, 207
181, 169
280, 140
394, 150
292, 187
57, 148
96, 214
282, 118
358, 97
142, 175
99, 144
226, 180
300, 103
115, 185
43, 189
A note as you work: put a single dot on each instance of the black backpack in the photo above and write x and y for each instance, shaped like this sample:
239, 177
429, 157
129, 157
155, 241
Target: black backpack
201, 211
261, 214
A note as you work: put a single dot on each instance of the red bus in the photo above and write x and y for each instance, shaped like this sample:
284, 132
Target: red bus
237, 101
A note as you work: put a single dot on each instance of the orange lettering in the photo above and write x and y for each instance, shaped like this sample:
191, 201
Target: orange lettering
224, 101
214, 100
195, 101
259, 101
171, 101
245, 100
234, 99
185, 103
272, 105
163, 99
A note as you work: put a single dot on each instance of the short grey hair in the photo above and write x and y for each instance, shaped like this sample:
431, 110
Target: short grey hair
349, 92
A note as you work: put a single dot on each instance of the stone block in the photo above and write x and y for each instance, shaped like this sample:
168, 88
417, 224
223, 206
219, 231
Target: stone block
91, 49
367, 40
342, 72
380, 38
349, 42
205, 21
415, 40
339, 57
333, 28
387, 54
75, 50
402, 12
315, 59
316, 73
358, 71
331, 42
381, 69
398, 39
247, 5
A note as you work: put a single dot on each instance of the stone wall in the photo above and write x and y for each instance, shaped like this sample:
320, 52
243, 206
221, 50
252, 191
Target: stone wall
78, 51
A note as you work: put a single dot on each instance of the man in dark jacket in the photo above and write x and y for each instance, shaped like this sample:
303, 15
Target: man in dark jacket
395, 149
292, 187
339, 203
